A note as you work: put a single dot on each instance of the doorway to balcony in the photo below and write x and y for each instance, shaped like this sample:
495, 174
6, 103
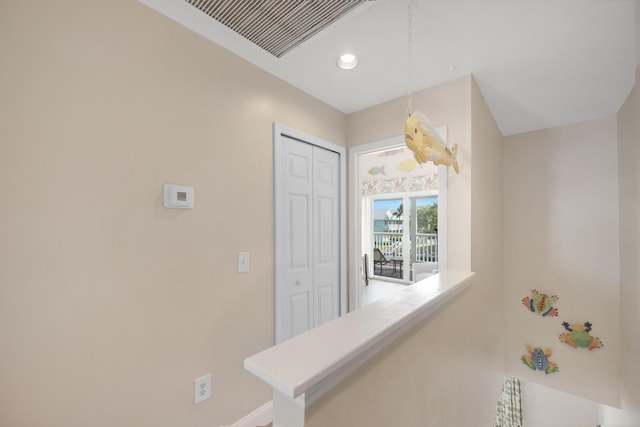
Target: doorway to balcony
397, 218
403, 233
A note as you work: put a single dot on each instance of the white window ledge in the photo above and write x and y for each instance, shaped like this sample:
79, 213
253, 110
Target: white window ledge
303, 368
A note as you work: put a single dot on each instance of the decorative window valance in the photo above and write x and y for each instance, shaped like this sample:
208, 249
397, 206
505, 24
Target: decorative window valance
400, 185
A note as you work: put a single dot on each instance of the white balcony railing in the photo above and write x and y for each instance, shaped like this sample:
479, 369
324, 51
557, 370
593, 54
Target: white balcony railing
390, 244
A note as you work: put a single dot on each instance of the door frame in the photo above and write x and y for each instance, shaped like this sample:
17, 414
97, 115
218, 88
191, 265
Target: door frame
355, 211
280, 131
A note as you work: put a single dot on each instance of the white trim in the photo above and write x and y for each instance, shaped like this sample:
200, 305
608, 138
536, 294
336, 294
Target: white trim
260, 417
355, 212
443, 233
279, 131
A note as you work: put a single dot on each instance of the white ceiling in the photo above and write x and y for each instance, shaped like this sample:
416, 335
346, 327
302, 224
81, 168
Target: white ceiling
538, 64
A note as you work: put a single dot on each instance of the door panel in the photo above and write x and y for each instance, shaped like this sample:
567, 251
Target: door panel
326, 189
326, 243
326, 306
300, 307
299, 232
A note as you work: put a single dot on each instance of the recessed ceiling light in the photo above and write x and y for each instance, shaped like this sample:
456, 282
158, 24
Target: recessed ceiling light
347, 61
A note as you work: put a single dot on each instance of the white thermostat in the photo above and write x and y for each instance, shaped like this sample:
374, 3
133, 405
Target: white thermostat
178, 197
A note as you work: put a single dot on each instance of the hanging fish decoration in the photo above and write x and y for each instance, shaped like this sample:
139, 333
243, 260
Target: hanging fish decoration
426, 144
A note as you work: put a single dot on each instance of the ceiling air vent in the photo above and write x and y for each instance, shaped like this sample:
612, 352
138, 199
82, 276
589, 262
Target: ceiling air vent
277, 26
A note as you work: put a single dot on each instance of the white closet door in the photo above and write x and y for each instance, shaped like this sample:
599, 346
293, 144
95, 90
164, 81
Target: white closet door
307, 237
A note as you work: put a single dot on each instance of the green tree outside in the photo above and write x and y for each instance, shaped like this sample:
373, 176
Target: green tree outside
427, 219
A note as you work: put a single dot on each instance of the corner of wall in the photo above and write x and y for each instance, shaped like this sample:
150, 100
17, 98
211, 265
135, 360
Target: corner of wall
628, 129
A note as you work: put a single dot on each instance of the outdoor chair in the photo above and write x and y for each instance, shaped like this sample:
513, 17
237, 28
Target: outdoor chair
378, 259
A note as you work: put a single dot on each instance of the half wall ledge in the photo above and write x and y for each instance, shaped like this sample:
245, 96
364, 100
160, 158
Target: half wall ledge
302, 369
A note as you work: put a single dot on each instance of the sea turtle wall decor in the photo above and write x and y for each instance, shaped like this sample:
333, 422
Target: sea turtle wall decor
578, 336
541, 304
538, 360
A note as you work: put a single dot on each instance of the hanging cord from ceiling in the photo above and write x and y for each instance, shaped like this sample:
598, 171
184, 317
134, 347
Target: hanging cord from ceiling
410, 58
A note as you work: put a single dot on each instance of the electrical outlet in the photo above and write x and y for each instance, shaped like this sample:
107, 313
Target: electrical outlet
202, 389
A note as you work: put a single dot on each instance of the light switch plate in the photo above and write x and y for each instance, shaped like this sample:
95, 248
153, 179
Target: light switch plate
243, 262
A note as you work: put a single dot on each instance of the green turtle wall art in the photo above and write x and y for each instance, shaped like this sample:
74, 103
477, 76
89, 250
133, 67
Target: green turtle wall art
541, 304
578, 336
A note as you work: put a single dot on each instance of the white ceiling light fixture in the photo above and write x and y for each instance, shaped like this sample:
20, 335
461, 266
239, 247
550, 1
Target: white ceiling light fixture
348, 61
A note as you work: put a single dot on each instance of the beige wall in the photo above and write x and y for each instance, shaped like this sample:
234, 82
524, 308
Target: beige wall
561, 237
448, 371
629, 164
547, 407
110, 305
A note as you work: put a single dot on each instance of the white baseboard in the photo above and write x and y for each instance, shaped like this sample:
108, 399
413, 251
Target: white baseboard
260, 417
